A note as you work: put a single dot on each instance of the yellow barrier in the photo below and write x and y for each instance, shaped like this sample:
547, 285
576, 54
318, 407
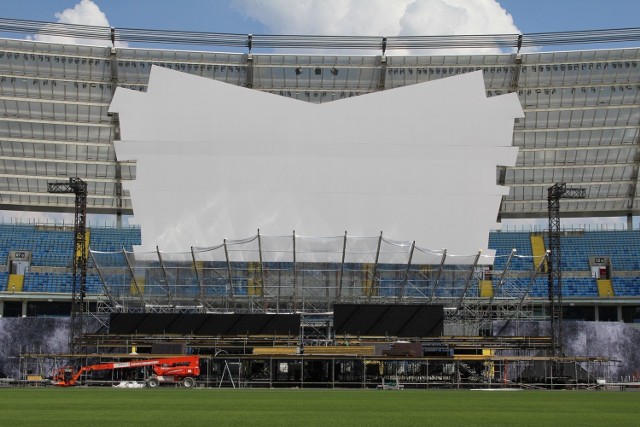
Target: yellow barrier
486, 289
324, 350
254, 283
364, 350
367, 280
275, 350
132, 287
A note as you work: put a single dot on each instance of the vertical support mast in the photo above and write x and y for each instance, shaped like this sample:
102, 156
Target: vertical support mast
344, 254
439, 274
229, 274
139, 291
77, 187
295, 272
166, 277
103, 282
503, 276
554, 273
198, 277
406, 271
262, 292
373, 290
467, 283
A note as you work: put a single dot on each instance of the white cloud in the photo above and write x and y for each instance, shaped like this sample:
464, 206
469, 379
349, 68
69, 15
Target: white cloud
445, 17
326, 17
381, 17
86, 12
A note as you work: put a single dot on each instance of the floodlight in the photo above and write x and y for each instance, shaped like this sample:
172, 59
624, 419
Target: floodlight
298, 71
318, 71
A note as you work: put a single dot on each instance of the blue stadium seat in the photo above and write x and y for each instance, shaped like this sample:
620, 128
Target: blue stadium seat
51, 247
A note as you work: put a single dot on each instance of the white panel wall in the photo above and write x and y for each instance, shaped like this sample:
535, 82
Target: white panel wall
220, 161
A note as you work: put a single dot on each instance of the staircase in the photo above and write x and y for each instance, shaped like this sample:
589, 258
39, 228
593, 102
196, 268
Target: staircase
605, 289
538, 250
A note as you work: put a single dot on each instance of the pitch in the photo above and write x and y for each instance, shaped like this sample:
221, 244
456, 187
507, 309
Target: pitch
169, 406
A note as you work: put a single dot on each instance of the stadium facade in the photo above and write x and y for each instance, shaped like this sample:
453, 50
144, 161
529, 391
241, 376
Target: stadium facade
580, 127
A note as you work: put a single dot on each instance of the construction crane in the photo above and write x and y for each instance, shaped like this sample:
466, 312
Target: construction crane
79, 277
554, 272
176, 370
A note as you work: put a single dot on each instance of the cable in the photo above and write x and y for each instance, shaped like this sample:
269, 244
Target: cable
292, 41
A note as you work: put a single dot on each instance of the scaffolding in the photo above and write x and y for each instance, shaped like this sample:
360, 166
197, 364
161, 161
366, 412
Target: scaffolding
277, 369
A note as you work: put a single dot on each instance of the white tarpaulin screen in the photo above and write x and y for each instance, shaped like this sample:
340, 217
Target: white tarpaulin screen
219, 161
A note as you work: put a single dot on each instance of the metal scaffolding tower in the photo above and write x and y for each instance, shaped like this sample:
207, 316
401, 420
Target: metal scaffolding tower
79, 277
554, 194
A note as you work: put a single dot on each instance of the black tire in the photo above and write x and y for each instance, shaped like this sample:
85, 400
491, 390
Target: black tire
153, 382
188, 382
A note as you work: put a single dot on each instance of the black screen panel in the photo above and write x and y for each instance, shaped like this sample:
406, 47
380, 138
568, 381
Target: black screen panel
204, 324
125, 323
388, 320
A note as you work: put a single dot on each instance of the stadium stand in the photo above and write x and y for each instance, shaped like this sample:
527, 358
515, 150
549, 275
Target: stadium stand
51, 247
4, 277
579, 249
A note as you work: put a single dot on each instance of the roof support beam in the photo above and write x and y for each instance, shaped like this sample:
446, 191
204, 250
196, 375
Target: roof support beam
515, 73
17, 119
249, 65
580, 182
575, 129
56, 142
574, 166
54, 101
71, 161
590, 200
51, 178
382, 82
589, 148
633, 186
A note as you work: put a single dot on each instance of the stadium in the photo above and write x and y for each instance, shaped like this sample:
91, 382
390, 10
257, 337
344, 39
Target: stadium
263, 304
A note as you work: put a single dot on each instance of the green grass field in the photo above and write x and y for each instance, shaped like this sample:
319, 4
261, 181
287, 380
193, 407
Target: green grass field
224, 407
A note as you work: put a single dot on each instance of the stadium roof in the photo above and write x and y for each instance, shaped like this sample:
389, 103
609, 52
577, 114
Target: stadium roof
581, 125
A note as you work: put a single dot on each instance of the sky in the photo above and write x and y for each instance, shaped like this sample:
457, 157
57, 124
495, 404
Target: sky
335, 17
331, 17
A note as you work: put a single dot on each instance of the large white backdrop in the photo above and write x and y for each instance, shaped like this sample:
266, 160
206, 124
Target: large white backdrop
216, 161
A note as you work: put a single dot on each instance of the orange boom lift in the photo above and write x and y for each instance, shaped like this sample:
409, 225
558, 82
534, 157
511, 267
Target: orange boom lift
176, 370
